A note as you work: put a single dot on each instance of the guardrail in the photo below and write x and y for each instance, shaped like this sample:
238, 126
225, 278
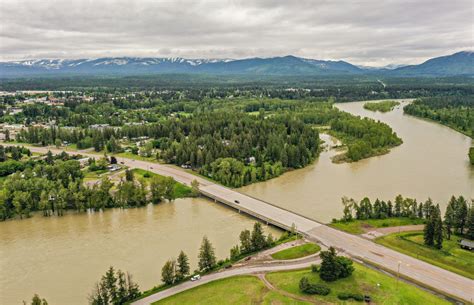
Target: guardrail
249, 212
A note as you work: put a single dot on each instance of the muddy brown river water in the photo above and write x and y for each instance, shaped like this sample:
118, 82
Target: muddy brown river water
62, 257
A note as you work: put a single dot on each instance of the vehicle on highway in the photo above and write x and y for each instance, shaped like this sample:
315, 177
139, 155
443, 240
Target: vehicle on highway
195, 278
236, 201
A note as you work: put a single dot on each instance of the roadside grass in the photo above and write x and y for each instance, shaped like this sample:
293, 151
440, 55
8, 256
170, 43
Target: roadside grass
357, 226
284, 238
297, 251
235, 290
451, 257
251, 290
364, 281
180, 190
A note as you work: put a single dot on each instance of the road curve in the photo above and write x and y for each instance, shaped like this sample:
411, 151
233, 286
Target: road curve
425, 274
270, 267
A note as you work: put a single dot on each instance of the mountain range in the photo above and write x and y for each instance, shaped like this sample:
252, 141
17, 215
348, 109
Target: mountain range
461, 63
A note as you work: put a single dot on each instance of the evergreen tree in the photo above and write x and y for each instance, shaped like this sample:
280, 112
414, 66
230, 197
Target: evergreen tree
470, 223
461, 214
438, 228
429, 230
207, 258
168, 272
258, 238
328, 271
245, 242
182, 270
449, 217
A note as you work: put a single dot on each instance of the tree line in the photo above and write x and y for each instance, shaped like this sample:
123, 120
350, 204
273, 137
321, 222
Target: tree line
456, 112
458, 217
177, 270
258, 148
54, 185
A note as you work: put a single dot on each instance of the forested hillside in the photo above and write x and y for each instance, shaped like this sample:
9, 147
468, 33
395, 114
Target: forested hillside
456, 112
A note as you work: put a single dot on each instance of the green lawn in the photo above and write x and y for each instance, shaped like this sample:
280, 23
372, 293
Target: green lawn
236, 290
364, 281
251, 290
180, 190
451, 257
297, 252
357, 226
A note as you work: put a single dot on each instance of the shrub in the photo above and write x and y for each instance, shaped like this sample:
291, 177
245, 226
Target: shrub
315, 268
349, 295
334, 267
283, 236
146, 175
344, 296
309, 288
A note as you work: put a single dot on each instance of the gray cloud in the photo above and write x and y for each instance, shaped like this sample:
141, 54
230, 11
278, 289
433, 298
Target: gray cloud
370, 32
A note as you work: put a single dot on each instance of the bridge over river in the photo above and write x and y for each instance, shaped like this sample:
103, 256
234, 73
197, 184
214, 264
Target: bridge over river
416, 270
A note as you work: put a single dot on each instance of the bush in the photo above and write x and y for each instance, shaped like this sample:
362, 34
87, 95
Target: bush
349, 295
146, 175
334, 267
309, 288
284, 236
315, 268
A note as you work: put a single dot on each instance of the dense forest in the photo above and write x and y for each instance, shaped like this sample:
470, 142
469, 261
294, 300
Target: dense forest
236, 141
200, 87
456, 112
55, 183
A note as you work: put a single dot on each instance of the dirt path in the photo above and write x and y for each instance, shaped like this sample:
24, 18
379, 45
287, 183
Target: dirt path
269, 285
374, 233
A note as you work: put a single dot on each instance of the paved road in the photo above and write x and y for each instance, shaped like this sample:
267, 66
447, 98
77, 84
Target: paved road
424, 273
225, 274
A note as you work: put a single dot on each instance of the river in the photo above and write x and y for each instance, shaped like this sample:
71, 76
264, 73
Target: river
431, 162
62, 257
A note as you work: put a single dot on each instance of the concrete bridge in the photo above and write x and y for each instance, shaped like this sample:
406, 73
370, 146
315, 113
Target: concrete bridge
436, 278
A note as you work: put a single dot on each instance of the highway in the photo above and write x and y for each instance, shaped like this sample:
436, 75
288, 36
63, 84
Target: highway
423, 273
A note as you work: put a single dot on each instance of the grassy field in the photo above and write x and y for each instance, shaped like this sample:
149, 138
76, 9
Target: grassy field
384, 106
297, 252
364, 281
451, 257
357, 226
129, 155
180, 190
231, 291
251, 290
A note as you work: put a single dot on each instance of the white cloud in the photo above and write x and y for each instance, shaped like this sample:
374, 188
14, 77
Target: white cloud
370, 32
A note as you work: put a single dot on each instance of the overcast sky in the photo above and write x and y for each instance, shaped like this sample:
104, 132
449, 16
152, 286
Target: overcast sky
368, 32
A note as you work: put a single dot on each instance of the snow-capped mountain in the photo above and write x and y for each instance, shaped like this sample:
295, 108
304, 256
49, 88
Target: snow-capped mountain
457, 64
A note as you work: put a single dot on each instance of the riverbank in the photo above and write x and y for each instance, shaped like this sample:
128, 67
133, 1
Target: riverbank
451, 257
363, 226
282, 288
